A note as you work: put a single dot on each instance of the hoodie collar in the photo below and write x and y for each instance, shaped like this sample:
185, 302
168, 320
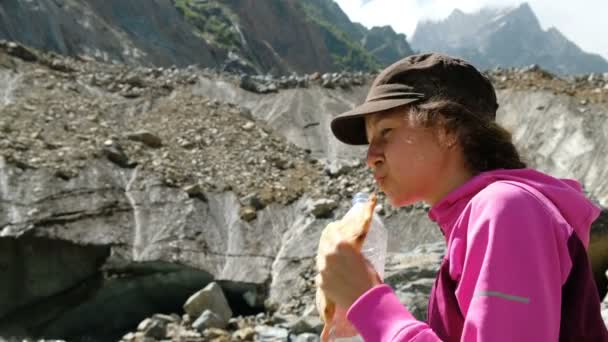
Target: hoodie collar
448, 209
565, 194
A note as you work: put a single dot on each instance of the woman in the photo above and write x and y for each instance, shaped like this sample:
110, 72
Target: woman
515, 267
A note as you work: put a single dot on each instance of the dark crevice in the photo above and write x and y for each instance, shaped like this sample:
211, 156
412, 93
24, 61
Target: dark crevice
64, 194
245, 298
70, 217
44, 277
91, 300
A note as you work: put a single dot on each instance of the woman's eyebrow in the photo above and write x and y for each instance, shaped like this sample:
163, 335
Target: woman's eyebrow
383, 120
374, 123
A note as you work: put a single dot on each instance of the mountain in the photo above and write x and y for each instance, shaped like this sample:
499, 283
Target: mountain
386, 45
383, 43
271, 36
505, 37
136, 31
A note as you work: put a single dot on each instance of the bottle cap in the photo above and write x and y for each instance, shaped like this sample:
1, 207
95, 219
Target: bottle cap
360, 197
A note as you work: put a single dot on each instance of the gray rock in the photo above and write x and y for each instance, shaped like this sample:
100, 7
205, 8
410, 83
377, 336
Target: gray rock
209, 319
248, 213
253, 200
307, 337
282, 163
134, 80
250, 84
153, 328
129, 337
214, 334
132, 92
244, 334
272, 88
271, 334
328, 84
210, 298
137, 337
61, 65
248, 126
195, 191
322, 208
335, 168
21, 51
145, 324
114, 152
315, 76
308, 323
146, 137
246, 113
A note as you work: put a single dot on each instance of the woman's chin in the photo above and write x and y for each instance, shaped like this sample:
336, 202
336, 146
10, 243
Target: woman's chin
399, 201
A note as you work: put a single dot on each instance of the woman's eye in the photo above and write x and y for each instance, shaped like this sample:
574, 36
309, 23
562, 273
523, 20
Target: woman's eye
385, 131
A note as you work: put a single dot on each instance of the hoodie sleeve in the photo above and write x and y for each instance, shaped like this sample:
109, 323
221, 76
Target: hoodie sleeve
509, 277
379, 316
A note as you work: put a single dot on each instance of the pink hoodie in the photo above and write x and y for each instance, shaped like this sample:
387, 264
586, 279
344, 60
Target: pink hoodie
515, 269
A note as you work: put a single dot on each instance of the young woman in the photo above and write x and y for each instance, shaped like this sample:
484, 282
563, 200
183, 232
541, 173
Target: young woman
516, 266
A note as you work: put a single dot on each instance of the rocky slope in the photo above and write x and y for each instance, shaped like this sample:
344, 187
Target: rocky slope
235, 35
126, 182
505, 37
123, 191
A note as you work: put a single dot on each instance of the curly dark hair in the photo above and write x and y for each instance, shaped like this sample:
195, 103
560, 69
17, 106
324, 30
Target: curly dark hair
486, 145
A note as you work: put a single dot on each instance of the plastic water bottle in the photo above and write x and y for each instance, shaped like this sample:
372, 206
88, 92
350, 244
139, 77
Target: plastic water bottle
375, 244
374, 249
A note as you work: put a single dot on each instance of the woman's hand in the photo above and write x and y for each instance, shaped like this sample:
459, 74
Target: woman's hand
345, 274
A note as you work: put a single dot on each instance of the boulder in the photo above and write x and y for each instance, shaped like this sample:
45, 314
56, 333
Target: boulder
209, 319
322, 208
21, 51
146, 137
211, 298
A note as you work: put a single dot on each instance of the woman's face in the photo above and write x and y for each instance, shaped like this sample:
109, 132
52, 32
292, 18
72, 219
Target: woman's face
407, 159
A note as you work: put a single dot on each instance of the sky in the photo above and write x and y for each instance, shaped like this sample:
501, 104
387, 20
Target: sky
585, 22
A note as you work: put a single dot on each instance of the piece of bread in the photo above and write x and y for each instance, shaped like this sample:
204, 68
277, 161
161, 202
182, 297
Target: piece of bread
353, 229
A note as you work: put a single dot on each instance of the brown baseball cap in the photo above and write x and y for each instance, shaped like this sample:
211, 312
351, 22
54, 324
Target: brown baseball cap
418, 78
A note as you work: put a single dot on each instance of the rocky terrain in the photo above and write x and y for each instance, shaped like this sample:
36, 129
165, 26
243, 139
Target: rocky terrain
505, 37
124, 191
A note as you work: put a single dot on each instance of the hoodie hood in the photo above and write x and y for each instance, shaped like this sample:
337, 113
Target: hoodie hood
566, 194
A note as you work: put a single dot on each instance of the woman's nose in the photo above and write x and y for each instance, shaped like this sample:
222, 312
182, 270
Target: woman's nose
374, 155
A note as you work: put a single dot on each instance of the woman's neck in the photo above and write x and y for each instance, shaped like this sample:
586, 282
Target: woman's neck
454, 175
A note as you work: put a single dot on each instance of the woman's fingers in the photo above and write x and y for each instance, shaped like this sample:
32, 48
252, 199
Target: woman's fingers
329, 237
335, 261
345, 274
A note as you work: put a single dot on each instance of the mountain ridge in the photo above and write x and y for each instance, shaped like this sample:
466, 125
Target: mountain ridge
241, 36
506, 37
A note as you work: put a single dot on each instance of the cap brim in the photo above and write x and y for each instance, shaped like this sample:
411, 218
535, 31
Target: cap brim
349, 127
